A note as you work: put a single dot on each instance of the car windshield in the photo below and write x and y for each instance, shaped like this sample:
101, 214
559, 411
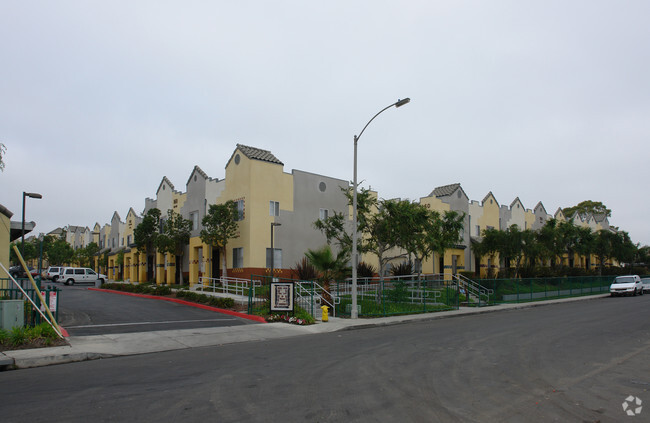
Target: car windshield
624, 280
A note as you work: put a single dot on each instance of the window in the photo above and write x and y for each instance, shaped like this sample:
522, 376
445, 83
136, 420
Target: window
277, 258
478, 230
79, 271
237, 258
240, 209
129, 239
323, 214
274, 208
194, 217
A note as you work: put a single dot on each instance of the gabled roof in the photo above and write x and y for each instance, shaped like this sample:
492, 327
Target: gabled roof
445, 190
254, 153
131, 211
542, 206
164, 179
515, 201
116, 214
198, 170
489, 194
600, 217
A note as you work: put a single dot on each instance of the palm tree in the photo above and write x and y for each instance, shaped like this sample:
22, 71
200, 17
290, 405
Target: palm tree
330, 267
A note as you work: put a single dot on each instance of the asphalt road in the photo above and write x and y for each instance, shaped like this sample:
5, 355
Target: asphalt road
566, 362
86, 312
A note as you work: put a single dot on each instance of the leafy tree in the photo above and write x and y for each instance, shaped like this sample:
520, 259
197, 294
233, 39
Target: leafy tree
587, 207
386, 231
174, 237
145, 234
220, 226
29, 251
92, 250
335, 227
432, 232
60, 252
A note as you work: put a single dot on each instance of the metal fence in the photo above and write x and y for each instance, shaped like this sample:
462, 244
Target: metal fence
536, 289
403, 295
423, 294
52, 296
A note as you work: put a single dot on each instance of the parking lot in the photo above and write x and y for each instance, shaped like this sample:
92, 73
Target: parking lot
89, 312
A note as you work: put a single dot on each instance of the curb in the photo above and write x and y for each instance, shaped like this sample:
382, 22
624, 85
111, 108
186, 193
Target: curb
258, 319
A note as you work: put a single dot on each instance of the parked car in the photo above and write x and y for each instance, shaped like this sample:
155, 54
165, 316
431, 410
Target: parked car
18, 272
72, 275
53, 272
626, 285
646, 284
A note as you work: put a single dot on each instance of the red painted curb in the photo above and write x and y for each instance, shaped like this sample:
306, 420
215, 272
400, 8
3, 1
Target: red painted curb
259, 319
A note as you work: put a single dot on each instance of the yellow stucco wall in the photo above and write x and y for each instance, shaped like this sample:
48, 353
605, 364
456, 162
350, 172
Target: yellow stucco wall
257, 183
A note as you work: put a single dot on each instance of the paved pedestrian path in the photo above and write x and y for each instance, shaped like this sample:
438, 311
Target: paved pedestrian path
83, 348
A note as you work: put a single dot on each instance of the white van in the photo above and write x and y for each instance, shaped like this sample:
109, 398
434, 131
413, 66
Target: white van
626, 285
72, 275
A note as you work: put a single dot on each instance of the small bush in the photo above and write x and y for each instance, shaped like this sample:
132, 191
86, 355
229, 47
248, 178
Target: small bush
17, 336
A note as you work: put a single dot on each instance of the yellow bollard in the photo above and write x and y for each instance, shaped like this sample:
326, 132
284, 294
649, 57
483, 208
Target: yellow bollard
325, 316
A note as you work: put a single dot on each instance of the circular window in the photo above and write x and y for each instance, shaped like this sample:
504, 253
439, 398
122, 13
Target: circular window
237, 158
322, 187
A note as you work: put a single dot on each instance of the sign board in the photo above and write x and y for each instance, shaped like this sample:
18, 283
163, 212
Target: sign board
52, 301
282, 296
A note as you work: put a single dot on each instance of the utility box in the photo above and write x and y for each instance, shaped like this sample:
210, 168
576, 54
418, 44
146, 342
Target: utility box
12, 314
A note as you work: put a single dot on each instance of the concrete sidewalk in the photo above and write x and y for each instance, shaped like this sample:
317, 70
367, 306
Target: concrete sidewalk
83, 348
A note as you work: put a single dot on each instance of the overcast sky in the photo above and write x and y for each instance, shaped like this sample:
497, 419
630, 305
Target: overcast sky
546, 101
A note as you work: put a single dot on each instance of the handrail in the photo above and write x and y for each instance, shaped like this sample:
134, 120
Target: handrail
228, 285
314, 289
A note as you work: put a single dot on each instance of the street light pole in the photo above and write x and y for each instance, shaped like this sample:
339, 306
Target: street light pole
273, 249
354, 312
25, 195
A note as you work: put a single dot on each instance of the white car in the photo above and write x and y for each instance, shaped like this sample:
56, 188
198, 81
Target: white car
646, 284
626, 285
72, 275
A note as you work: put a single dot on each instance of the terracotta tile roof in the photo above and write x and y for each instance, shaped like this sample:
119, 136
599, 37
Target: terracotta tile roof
258, 154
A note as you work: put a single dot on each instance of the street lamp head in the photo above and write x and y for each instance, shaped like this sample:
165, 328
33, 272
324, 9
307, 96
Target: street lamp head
400, 103
32, 195
276, 224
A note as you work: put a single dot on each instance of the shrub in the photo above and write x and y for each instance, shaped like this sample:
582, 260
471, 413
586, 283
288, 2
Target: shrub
17, 336
405, 268
365, 270
305, 270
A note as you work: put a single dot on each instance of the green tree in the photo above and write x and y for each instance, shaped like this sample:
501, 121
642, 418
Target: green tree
432, 232
335, 227
92, 250
174, 237
145, 234
220, 226
60, 252
587, 207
